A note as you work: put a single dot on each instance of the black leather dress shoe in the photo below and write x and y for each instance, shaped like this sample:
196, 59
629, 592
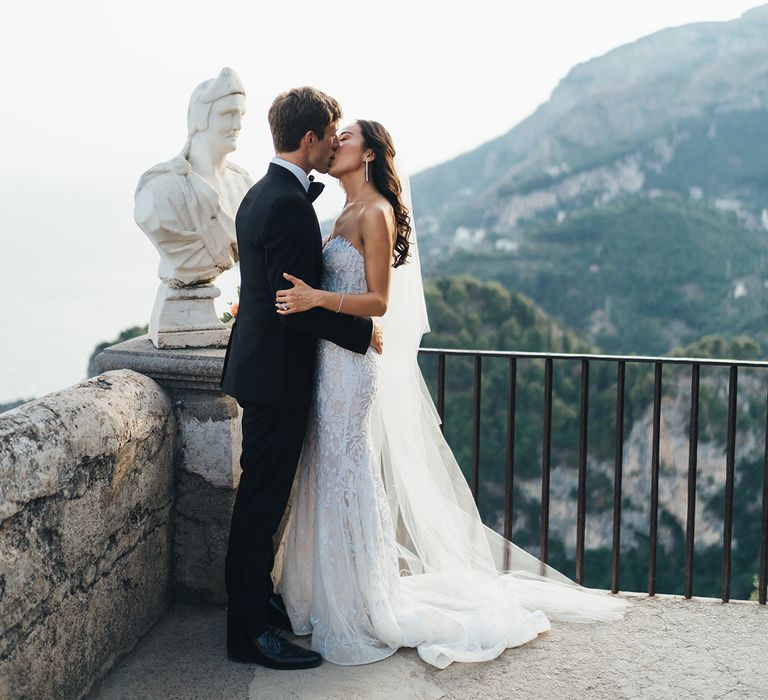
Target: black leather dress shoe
278, 616
271, 650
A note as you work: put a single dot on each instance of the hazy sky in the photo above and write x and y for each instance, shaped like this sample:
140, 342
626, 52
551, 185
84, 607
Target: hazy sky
93, 93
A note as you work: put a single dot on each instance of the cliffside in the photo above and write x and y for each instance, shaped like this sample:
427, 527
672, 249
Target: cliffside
650, 157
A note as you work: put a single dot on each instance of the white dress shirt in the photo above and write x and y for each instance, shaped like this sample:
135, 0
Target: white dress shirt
295, 169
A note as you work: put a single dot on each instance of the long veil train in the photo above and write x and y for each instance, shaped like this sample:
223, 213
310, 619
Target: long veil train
438, 527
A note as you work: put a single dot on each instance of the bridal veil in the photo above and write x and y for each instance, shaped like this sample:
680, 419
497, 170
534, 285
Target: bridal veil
438, 527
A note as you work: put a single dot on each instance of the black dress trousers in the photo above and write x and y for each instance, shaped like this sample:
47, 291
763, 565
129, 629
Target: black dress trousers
272, 440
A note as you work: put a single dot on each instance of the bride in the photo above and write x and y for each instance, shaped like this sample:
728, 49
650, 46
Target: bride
383, 547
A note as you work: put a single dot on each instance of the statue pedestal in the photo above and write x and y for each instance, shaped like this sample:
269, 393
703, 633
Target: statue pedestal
207, 459
186, 318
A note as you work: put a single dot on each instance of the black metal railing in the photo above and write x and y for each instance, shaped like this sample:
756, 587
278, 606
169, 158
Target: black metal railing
621, 362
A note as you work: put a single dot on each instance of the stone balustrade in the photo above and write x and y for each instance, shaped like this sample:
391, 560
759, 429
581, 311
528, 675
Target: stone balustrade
86, 492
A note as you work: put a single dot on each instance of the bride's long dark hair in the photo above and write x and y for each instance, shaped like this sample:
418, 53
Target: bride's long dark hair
384, 176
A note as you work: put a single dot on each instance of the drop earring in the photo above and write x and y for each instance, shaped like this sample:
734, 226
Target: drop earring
366, 171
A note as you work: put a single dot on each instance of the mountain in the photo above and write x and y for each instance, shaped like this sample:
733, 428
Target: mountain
639, 275
632, 204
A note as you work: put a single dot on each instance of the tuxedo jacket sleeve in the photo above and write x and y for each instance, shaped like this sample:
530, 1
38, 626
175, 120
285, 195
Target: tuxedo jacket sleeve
291, 245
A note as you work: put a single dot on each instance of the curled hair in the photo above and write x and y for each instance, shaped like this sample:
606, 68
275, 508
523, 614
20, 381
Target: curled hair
387, 182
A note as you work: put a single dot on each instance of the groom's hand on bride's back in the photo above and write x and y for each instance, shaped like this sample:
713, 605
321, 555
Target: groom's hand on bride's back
377, 340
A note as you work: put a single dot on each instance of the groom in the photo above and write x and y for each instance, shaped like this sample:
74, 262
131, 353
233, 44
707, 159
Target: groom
270, 363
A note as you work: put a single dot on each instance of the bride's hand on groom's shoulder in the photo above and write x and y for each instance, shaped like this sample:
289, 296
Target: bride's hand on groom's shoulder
301, 297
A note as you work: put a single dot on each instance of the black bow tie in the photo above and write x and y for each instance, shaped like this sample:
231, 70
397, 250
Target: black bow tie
315, 188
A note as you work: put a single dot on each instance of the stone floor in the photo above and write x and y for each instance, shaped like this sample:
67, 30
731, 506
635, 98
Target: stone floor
667, 647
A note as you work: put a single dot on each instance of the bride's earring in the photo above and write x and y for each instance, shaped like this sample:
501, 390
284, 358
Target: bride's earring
366, 171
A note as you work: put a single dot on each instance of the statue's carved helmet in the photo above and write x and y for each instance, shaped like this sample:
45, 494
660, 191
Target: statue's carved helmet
205, 94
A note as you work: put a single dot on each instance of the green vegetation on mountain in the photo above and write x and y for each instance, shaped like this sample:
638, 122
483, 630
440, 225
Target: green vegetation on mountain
641, 275
723, 154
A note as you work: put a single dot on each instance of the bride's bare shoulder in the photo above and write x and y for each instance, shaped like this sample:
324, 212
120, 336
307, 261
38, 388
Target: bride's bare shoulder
377, 217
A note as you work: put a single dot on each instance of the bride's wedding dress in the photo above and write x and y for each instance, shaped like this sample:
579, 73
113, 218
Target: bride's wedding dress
383, 547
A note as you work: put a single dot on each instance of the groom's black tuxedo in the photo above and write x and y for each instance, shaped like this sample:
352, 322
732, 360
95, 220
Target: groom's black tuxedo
269, 368
271, 358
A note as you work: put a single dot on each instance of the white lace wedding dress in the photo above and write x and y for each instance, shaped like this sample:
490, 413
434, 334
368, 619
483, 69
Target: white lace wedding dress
341, 568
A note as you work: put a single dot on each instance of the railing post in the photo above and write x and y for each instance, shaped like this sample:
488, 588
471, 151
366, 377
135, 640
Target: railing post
730, 450
762, 579
441, 389
476, 428
581, 508
618, 462
693, 441
509, 461
545, 461
654, 514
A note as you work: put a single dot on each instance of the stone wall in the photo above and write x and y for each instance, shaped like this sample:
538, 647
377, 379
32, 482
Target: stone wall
86, 489
207, 458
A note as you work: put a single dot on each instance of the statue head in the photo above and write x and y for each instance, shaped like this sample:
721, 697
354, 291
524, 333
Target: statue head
215, 112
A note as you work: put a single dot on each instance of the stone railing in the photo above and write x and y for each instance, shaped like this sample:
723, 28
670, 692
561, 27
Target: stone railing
115, 497
86, 492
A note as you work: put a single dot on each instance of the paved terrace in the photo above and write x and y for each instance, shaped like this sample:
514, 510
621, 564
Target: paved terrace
666, 647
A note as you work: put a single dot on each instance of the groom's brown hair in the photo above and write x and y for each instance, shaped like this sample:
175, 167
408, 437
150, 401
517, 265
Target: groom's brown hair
297, 111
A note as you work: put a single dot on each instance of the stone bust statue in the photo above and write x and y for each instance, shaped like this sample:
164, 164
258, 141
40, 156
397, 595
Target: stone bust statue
187, 207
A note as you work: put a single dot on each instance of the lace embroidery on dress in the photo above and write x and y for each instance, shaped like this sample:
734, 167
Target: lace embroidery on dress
340, 560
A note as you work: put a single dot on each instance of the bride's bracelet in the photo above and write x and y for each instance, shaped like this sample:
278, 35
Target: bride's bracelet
341, 301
